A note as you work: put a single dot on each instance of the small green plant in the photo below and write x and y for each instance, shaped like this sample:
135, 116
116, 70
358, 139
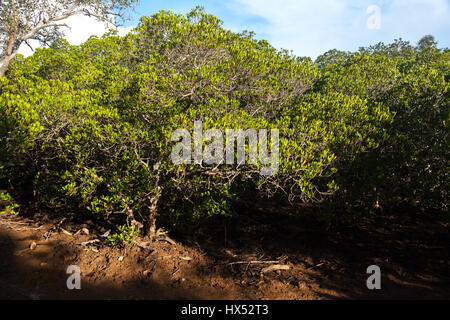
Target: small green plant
7, 204
126, 235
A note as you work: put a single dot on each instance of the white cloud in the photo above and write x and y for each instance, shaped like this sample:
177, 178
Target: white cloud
311, 27
81, 28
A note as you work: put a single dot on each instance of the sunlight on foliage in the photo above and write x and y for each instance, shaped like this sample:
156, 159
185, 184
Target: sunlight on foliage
88, 127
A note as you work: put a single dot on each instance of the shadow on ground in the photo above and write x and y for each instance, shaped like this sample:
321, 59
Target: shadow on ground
41, 273
325, 261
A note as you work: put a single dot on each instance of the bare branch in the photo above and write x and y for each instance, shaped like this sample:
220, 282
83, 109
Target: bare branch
24, 20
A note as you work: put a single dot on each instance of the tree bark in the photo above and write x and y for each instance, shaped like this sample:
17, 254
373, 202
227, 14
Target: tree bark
4, 64
152, 225
152, 219
153, 214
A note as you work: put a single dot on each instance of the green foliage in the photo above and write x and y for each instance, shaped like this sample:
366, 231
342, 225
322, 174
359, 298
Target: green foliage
89, 127
125, 236
40, 20
7, 204
412, 160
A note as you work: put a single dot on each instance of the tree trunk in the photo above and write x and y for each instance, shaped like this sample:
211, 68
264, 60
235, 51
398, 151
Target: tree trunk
152, 225
4, 63
152, 216
4, 66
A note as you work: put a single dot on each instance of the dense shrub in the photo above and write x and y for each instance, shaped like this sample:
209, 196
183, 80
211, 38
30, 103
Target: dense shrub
89, 127
412, 160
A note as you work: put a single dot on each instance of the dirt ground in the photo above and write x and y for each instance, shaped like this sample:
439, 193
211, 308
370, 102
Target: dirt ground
325, 262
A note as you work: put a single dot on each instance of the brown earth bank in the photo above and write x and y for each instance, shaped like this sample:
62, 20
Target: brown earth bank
324, 261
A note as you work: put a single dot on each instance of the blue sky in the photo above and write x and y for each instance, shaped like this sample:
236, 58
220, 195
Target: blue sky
307, 27
311, 27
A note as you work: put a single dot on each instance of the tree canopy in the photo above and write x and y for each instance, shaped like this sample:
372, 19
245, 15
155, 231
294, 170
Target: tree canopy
89, 127
42, 20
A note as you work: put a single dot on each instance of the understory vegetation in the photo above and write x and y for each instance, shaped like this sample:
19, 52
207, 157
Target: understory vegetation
88, 128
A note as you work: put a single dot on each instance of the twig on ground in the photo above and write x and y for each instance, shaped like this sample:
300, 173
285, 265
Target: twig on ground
89, 242
250, 262
275, 267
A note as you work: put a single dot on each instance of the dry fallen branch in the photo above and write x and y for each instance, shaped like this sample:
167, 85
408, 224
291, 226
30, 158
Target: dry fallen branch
89, 242
11, 224
186, 258
275, 267
250, 262
66, 232
316, 266
27, 229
